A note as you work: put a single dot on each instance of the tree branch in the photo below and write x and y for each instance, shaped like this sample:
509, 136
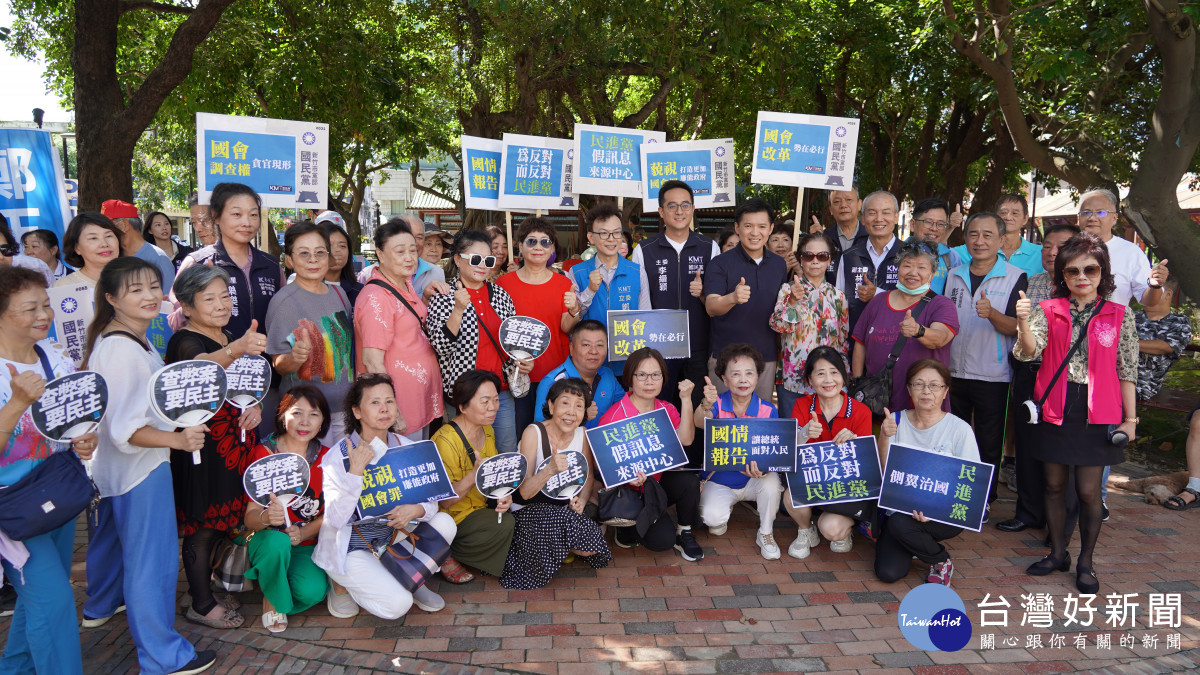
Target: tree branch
635, 120
414, 171
159, 7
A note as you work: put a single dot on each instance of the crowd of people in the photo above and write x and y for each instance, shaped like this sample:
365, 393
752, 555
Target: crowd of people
407, 351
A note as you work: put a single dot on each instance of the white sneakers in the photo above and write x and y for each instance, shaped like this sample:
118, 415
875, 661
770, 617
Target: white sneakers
718, 530
340, 605
767, 546
805, 540
427, 599
843, 545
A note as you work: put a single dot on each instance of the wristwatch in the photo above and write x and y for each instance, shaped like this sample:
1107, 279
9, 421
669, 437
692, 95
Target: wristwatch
920, 331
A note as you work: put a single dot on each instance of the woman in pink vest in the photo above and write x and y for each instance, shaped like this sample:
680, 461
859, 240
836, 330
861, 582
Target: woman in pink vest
1091, 402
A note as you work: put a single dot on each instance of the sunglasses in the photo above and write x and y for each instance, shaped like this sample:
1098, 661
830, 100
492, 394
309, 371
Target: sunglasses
543, 242
809, 256
9, 250
1089, 271
474, 259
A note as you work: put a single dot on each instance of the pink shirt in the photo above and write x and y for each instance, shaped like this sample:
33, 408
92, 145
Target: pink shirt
381, 322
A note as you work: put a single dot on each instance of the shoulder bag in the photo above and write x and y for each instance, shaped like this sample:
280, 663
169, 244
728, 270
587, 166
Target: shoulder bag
412, 557
393, 291
875, 391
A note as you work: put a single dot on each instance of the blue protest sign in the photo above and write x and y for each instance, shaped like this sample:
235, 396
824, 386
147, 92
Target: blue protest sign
609, 159
706, 166
830, 473
535, 173
731, 444
944, 488
159, 333
284, 161
663, 329
481, 167
645, 443
804, 150
32, 193
406, 474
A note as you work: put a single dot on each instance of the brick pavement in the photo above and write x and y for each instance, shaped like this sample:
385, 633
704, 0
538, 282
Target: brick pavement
731, 613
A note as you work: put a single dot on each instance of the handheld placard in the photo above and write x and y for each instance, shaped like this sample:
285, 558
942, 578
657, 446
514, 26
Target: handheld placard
70, 406
500, 475
569, 482
248, 378
282, 474
188, 393
524, 337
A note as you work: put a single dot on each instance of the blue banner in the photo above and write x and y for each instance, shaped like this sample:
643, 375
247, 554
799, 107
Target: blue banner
645, 443
533, 172
787, 146
483, 173
731, 444
693, 167
944, 488
407, 474
663, 329
262, 161
159, 333
610, 155
829, 473
32, 193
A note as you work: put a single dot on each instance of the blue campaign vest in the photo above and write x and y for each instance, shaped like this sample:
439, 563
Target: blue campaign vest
621, 294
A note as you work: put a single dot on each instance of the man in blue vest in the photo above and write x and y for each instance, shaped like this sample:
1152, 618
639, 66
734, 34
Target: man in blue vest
608, 281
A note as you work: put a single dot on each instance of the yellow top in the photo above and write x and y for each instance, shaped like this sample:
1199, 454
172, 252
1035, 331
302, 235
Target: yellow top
458, 463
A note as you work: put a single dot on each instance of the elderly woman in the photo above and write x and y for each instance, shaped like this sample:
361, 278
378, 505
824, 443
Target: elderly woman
10, 254
1084, 404
157, 231
551, 530
281, 558
346, 552
209, 497
928, 321
90, 242
132, 555
808, 313
463, 443
464, 327
390, 334
308, 326
927, 426
43, 635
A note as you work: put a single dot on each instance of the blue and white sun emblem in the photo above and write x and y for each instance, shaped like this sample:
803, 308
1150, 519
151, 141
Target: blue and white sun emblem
840, 131
309, 138
69, 305
720, 151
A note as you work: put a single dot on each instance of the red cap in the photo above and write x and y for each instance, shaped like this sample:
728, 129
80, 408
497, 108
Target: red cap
115, 208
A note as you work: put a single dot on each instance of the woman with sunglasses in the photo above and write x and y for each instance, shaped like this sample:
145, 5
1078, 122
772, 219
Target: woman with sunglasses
809, 312
464, 328
1089, 403
538, 291
10, 254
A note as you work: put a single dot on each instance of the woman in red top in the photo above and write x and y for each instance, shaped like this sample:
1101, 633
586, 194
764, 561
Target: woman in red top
281, 558
829, 415
539, 291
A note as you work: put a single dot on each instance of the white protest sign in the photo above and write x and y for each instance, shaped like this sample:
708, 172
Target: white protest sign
804, 150
481, 172
536, 173
284, 161
706, 166
73, 310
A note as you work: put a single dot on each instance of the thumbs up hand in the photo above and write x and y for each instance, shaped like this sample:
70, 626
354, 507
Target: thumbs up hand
1159, 274
253, 342
814, 427
710, 393
301, 348
797, 288
462, 299
909, 326
1024, 307
866, 289
816, 227
956, 218
741, 293
27, 387
696, 287
888, 428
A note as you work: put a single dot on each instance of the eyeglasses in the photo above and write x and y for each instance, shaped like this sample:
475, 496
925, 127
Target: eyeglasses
543, 242
607, 235
9, 250
926, 386
1089, 271
1089, 214
809, 256
672, 207
936, 224
648, 377
474, 259
305, 256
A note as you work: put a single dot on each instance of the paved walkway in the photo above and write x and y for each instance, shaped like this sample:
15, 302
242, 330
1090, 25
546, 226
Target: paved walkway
731, 613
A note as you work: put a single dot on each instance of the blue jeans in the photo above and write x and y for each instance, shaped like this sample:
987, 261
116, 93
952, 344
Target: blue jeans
133, 558
787, 400
44, 634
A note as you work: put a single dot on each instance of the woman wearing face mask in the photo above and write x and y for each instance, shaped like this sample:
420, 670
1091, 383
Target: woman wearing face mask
890, 315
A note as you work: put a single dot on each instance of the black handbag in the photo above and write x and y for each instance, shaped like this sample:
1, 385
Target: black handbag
875, 391
619, 506
50, 496
413, 557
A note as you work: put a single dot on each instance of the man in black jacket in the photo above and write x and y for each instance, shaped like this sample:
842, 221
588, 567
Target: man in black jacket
870, 265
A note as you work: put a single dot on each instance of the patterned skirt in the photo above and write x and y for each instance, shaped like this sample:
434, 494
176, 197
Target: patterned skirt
544, 535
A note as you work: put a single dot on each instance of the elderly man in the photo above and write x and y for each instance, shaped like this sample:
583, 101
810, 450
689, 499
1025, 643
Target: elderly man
845, 207
202, 225
1015, 250
125, 216
930, 220
870, 265
985, 293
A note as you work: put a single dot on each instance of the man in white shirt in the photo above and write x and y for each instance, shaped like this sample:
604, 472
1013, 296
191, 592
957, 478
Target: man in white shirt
1098, 213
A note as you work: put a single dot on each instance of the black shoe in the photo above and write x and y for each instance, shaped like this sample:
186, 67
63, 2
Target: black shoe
1085, 587
685, 543
1104, 512
629, 540
1048, 564
203, 661
1013, 525
8, 600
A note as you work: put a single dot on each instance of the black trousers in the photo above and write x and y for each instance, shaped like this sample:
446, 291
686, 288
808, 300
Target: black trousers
983, 405
683, 490
903, 537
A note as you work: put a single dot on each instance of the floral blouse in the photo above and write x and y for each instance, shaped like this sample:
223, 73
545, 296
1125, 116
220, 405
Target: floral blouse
1127, 347
822, 317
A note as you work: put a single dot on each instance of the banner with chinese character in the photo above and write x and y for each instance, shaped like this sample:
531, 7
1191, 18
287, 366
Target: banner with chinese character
284, 161
406, 474
804, 150
70, 406
944, 488
731, 444
282, 474
535, 173
73, 309
32, 193
645, 443
481, 172
186, 393
706, 166
566, 484
524, 337
248, 378
500, 475
610, 161
663, 329
830, 473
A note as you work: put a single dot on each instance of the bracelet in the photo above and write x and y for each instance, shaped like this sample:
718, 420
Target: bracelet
228, 352
261, 519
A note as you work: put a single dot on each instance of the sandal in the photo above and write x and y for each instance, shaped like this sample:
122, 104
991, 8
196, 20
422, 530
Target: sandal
274, 621
1175, 503
230, 619
455, 573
